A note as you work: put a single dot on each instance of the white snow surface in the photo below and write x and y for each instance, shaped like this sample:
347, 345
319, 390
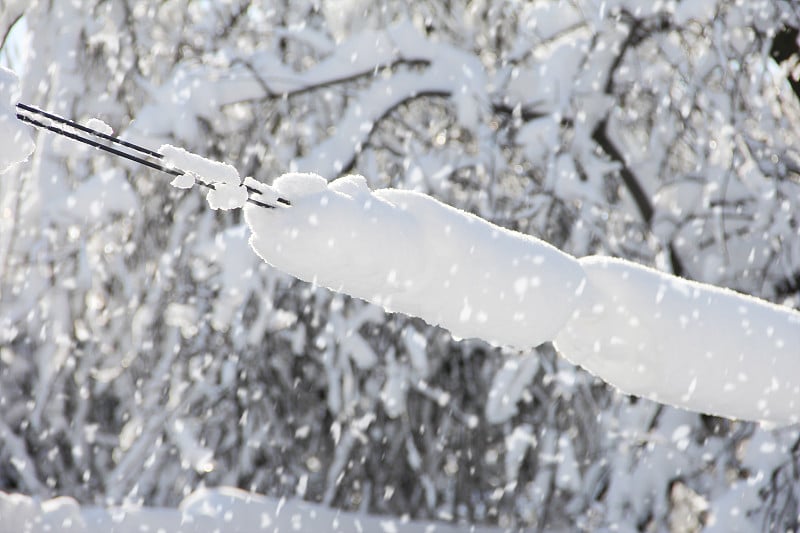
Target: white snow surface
648, 333
184, 181
686, 343
99, 125
16, 143
411, 253
226, 191
226, 196
210, 171
219, 510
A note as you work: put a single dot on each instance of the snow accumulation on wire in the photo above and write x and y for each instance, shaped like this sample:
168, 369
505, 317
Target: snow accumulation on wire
16, 143
99, 125
648, 333
411, 253
226, 191
685, 343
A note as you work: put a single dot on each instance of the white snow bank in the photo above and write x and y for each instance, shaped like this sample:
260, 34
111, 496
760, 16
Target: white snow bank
226, 191
99, 125
411, 253
221, 510
16, 143
686, 343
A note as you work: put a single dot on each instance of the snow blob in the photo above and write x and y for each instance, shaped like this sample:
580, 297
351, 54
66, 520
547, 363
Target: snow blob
16, 143
184, 181
211, 171
226, 196
99, 125
411, 253
685, 343
226, 191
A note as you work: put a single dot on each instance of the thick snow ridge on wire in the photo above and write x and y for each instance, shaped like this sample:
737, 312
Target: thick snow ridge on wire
685, 343
211, 171
411, 253
16, 143
648, 333
226, 185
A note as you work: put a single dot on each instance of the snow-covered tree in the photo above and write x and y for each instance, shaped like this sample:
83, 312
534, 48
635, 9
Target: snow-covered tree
146, 351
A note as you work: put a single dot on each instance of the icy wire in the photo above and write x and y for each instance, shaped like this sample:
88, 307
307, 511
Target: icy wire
110, 149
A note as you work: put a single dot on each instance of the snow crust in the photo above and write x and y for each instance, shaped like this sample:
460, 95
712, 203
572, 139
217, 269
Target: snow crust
411, 253
685, 343
226, 191
219, 510
16, 144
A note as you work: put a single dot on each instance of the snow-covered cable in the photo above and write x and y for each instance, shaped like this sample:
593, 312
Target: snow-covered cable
648, 333
226, 188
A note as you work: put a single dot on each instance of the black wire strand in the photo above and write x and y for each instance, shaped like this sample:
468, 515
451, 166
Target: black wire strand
120, 153
86, 129
105, 148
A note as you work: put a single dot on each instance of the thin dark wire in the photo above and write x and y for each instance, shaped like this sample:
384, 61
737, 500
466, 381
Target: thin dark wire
95, 144
85, 129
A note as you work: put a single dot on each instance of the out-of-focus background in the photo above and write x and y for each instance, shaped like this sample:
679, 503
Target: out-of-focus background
145, 351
